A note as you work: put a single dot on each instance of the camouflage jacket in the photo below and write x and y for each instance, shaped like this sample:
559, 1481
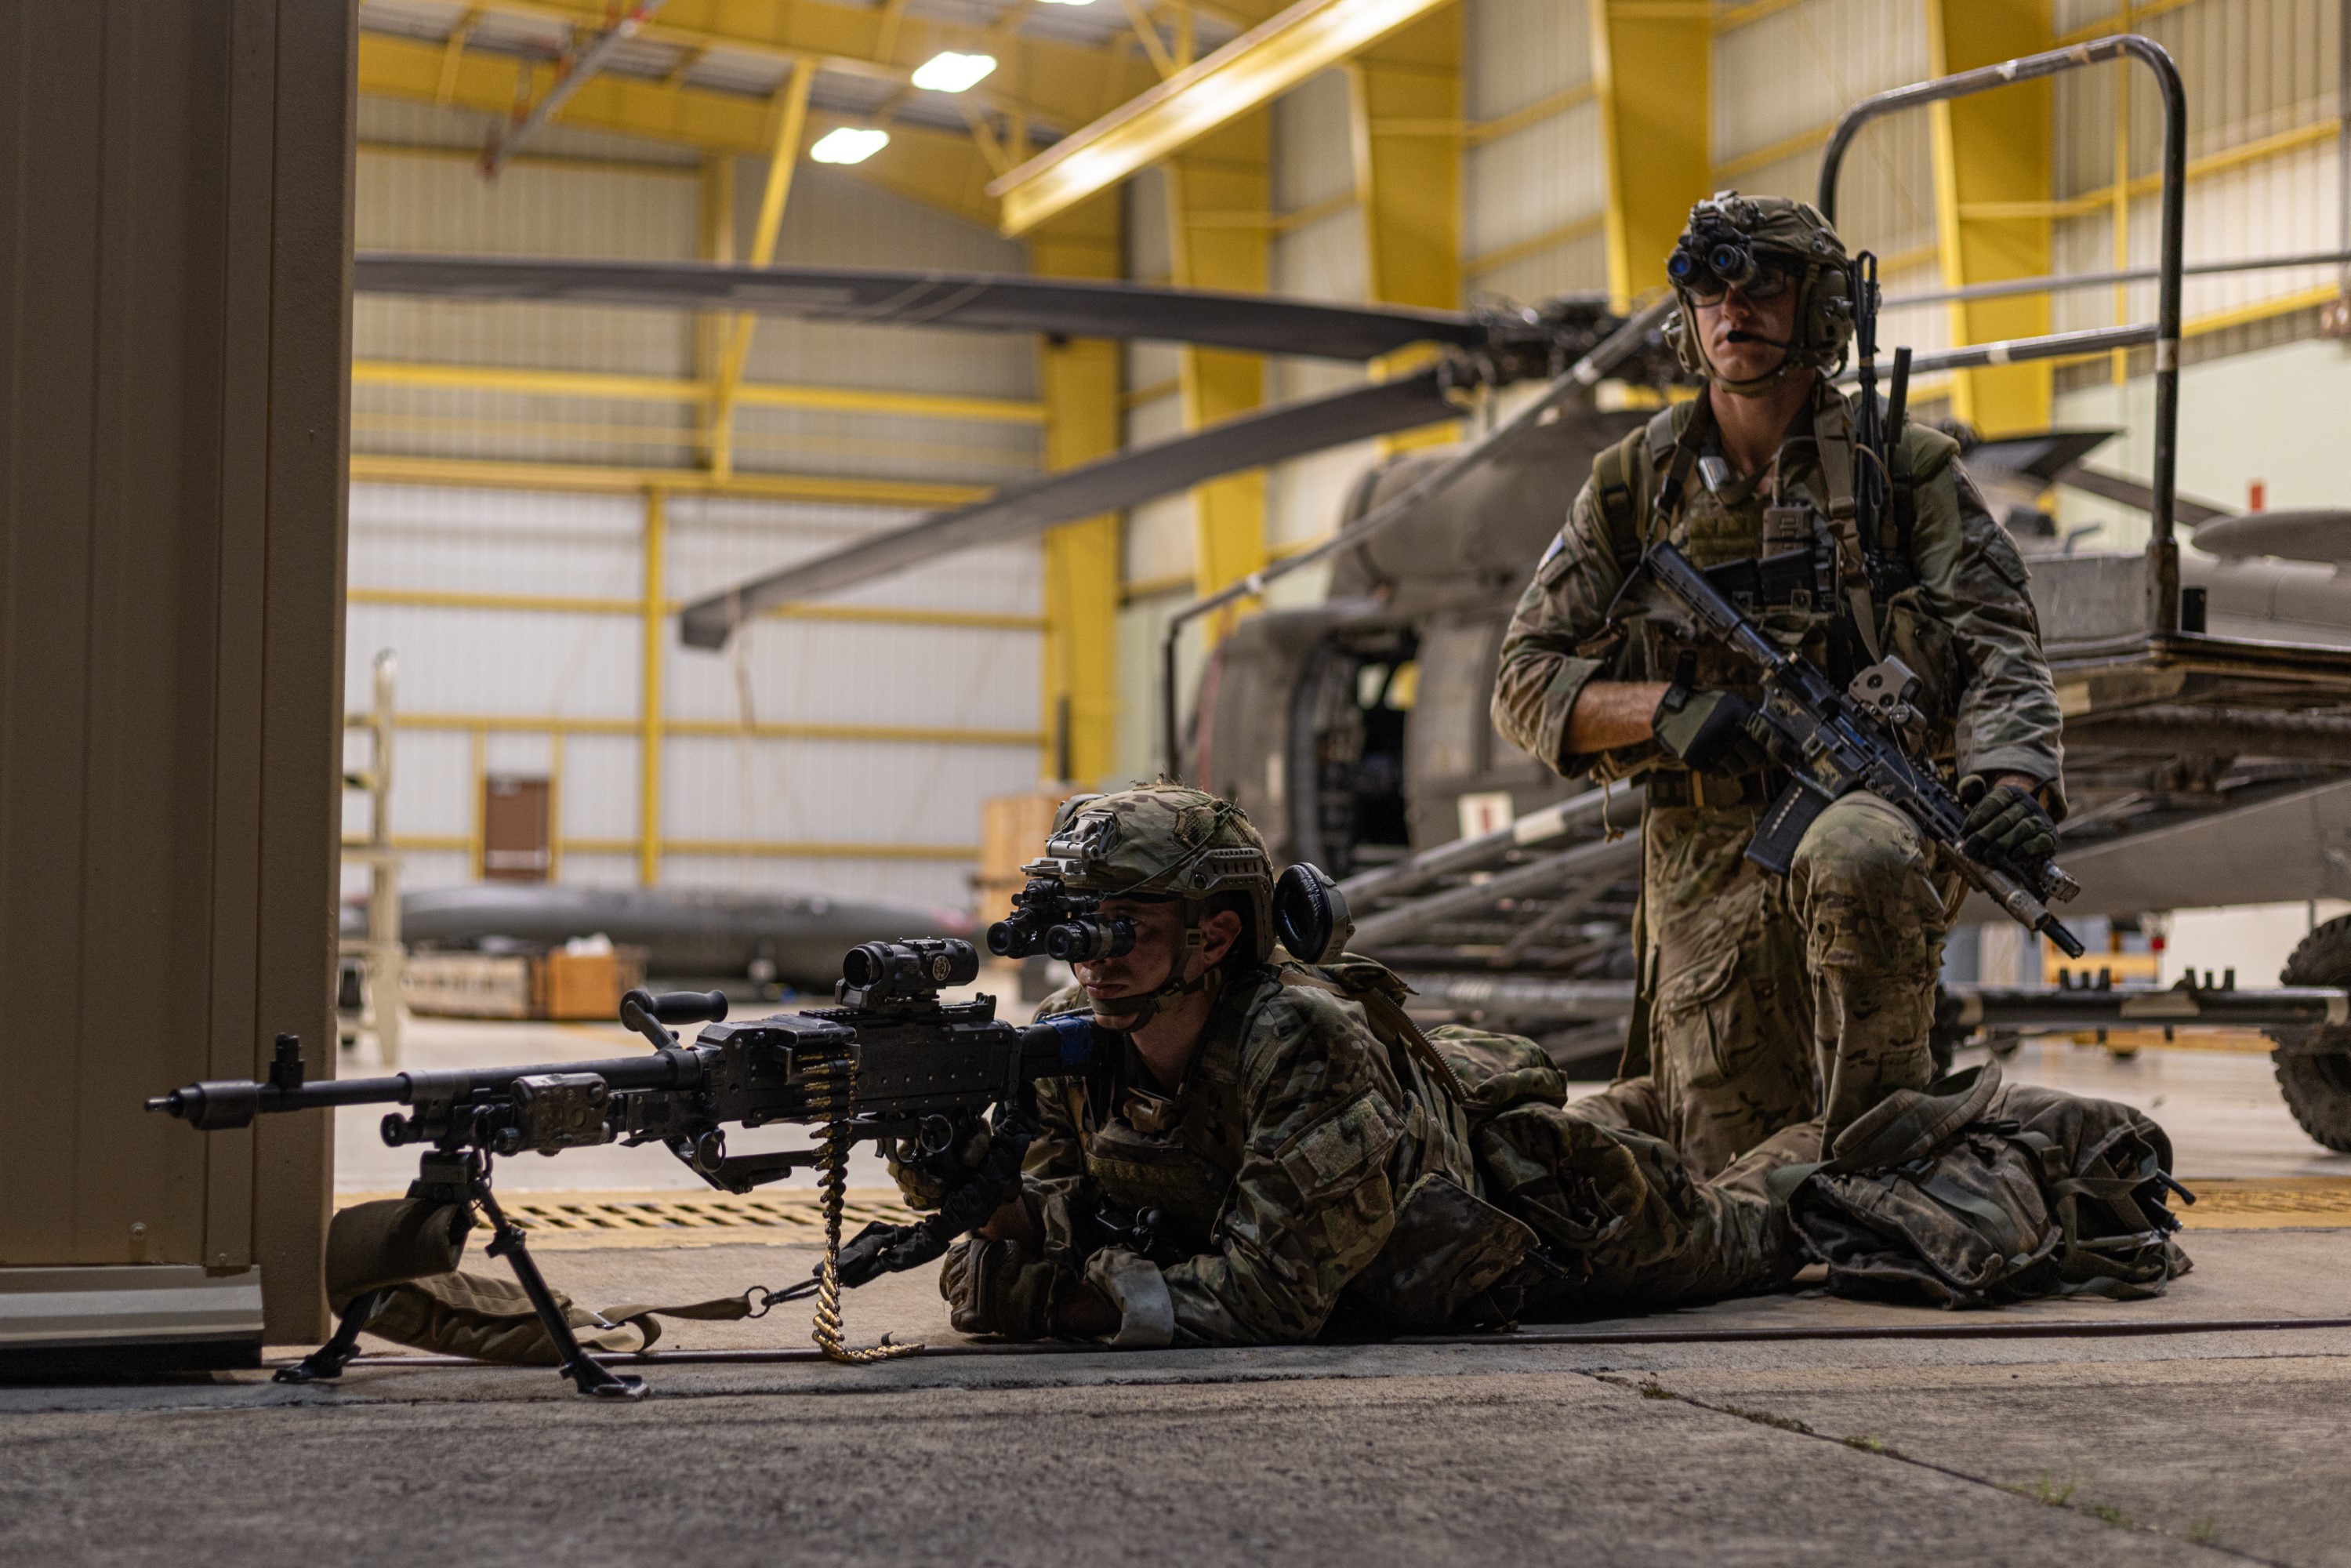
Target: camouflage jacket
1968, 626
1304, 1172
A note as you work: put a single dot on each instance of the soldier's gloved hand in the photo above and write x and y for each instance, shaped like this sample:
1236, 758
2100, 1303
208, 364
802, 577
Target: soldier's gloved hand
2005, 823
925, 1180
997, 1288
1714, 732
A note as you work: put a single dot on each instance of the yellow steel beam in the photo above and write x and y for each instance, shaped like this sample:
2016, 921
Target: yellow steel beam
624, 388
1993, 148
792, 121
1081, 381
1651, 66
1404, 97
491, 474
715, 215
649, 691
1503, 256
453, 54
561, 723
804, 849
1243, 77
1146, 33
794, 849
588, 604
1551, 107
938, 169
1051, 81
1228, 171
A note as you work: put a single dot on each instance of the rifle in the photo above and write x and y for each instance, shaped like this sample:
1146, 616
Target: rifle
892, 1061
1841, 740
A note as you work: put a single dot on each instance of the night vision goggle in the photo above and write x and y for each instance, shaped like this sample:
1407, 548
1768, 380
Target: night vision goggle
1046, 917
1713, 258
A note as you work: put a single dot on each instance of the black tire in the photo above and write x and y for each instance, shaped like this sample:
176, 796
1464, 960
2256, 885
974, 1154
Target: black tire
2315, 1073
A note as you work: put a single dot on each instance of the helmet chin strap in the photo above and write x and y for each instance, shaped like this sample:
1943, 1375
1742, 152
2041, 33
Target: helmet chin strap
1173, 988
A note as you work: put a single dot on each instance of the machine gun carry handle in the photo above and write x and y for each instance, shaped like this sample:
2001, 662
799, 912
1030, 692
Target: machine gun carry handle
645, 1013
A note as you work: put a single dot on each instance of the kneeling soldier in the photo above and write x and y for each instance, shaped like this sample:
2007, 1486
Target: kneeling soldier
1780, 1008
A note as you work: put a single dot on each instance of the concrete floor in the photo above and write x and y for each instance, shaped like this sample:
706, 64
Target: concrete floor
1687, 1437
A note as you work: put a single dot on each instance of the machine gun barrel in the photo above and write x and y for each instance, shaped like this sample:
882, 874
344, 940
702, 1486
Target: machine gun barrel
1838, 749
894, 1061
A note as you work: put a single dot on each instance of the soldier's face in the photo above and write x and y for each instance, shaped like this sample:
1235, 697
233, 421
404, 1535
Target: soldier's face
1746, 338
1150, 963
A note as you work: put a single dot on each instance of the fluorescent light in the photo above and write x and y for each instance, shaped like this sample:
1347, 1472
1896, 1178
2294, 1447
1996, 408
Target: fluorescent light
1068, 2
948, 71
849, 144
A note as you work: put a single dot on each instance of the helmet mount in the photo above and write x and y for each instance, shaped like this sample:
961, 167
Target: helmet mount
1763, 247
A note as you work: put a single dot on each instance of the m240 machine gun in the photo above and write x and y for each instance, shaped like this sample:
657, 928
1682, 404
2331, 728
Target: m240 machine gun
892, 1061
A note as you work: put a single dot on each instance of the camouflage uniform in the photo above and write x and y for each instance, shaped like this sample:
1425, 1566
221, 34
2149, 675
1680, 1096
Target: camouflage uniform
1293, 1183
1780, 1008
1323, 1167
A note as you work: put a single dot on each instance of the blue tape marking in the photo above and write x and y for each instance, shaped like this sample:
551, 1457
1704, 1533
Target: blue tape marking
1077, 1037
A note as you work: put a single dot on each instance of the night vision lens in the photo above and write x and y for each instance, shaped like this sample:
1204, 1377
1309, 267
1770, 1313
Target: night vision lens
1089, 937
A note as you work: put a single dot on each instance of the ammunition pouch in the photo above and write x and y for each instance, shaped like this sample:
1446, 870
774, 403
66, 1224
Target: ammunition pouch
1674, 787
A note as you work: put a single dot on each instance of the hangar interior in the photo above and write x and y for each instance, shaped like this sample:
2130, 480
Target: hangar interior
507, 506
533, 484
497, 515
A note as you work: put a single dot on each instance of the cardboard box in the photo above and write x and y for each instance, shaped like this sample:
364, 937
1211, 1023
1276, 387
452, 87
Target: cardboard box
585, 986
467, 985
1012, 829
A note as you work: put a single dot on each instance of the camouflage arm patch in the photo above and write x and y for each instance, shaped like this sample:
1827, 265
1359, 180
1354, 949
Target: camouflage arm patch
1566, 606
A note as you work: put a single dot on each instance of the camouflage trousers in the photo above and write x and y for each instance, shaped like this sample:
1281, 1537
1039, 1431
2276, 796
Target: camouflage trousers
1781, 1008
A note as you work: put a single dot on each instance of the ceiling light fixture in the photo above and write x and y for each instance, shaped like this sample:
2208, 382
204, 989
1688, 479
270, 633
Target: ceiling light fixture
1068, 2
849, 144
948, 71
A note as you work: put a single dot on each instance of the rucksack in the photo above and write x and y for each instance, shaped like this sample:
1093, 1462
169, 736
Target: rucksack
1972, 1193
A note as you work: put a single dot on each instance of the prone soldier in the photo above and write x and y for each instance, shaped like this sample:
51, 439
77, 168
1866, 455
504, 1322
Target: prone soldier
1271, 1151
1777, 1009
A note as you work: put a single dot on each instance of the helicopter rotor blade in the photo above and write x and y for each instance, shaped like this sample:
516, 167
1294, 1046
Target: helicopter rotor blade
1109, 484
1065, 307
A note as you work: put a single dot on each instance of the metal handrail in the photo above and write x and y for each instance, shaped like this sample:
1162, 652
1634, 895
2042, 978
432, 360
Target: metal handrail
2163, 550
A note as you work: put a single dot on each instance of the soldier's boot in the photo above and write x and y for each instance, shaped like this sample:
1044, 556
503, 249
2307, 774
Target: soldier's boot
1872, 927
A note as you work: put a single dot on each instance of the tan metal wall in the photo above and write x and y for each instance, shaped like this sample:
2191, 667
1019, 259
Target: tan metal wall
174, 254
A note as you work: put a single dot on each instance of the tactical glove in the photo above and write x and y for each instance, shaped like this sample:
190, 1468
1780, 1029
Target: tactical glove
998, 1288
1714, 732
2005, 824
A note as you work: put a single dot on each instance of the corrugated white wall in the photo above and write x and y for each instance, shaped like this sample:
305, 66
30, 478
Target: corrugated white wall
1542, 178
2259, 79
462, 667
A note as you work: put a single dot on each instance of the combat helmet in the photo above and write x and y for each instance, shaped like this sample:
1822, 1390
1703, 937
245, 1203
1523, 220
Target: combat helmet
1163, 840
1730, 237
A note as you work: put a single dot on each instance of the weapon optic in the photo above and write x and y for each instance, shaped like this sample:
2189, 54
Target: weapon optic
894, 1061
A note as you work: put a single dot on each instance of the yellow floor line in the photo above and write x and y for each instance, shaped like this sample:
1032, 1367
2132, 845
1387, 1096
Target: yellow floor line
2275, 1203
581, 1221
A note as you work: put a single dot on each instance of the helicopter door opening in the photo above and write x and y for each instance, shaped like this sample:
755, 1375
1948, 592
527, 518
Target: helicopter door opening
1353, 704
